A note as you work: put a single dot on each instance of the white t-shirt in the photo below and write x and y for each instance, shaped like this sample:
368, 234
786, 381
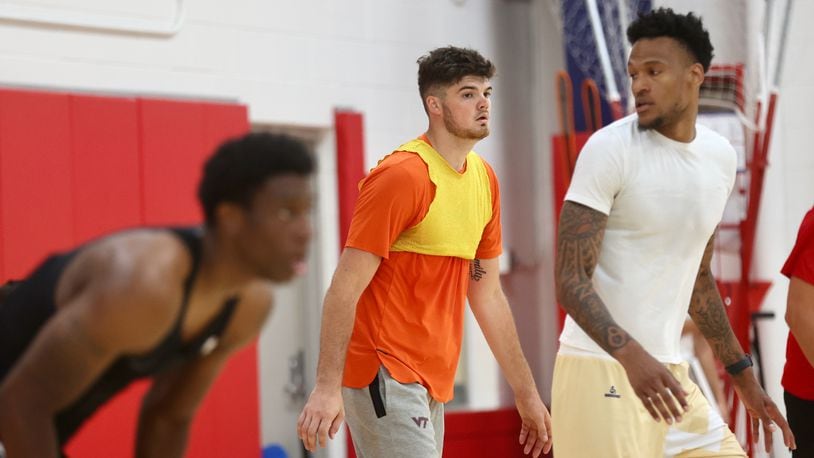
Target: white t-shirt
663, 199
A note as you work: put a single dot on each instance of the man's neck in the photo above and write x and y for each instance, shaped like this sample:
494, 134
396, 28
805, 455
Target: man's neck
219, 270
453, 149
683, 130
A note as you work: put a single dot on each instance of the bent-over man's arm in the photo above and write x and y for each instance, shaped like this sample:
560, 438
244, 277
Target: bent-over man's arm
117, 307
169, 408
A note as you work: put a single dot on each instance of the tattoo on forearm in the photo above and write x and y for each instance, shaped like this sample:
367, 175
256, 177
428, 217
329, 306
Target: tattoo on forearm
476, 272
617, 337
708, 312
578, 242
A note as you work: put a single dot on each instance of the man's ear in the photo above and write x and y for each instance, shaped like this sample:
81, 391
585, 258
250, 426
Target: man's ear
697, 74
230, 218
434, 104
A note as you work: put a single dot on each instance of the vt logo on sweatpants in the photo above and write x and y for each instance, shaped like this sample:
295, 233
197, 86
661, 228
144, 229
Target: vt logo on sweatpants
421, 422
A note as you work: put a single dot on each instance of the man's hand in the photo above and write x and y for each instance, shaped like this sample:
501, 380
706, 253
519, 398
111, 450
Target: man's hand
761, 410
652, 383
320, 418
535, 431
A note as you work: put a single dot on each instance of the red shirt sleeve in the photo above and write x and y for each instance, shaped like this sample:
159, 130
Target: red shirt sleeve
491, 242
800, 263
394, 197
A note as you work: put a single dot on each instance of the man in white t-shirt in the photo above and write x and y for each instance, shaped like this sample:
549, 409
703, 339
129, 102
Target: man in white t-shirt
637, 222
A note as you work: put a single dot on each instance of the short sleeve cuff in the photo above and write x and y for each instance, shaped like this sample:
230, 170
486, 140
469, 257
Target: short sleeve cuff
489, 254
601, 207
385, 254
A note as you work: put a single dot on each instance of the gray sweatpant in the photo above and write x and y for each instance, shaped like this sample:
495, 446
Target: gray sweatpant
390, 419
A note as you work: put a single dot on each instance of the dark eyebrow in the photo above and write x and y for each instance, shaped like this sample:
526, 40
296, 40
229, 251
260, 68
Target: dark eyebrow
650, 62
473, 88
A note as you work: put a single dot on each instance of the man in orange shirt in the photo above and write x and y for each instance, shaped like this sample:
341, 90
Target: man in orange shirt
425, 235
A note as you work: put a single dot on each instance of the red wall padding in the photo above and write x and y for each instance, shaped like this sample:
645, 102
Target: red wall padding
488, 433
172, 148
35, 178
73, 167
350, 160
107, 178
222, 121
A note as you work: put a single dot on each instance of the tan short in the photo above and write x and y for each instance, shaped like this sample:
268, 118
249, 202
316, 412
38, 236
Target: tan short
595, 413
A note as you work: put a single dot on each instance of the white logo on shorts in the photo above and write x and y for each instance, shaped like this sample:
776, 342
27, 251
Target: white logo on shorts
612, 393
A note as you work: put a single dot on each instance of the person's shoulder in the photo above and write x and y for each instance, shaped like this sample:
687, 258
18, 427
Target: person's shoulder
710, 135
717, 144
615, 139
490, 170
145, 268
402, 162
806, 230
620, 131
129, 285
399, 171
140, 254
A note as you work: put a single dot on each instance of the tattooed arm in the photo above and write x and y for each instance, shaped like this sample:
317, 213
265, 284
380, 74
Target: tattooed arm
579, 240
491, 310
708, 314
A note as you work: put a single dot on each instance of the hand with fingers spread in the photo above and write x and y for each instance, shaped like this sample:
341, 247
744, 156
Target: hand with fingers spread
762, 410
320, 418
535, 431
660, 392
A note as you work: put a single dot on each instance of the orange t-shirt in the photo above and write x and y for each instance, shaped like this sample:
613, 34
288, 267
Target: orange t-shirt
410, 317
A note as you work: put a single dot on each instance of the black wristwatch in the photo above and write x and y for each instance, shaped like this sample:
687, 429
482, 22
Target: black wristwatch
739, 366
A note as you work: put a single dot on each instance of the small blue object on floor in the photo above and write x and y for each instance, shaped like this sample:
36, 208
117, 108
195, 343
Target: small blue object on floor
272, 451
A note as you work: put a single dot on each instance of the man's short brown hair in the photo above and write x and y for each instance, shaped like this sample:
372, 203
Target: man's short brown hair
446, 66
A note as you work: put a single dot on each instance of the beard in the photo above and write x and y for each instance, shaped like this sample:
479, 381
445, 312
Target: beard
664, 118
455, 129
654, 123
